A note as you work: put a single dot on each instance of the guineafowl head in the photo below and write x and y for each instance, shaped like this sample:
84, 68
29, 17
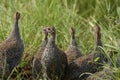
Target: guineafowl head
72, 32
96, 29
45, 31
17, 16
97, 33
51, 30
97, 37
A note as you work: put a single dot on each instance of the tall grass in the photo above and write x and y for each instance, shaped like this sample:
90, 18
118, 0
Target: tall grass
82, 14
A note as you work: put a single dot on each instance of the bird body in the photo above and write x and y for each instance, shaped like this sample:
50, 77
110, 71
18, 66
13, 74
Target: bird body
36, 68
72, 51
53, 59
12, 48
88, 63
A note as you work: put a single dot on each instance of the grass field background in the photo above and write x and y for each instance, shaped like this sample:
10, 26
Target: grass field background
82, 14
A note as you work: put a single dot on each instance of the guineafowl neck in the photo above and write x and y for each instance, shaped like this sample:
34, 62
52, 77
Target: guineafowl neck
73, 42
97, 40
15, 32
51, 41
72, 36
45, 37
44, 41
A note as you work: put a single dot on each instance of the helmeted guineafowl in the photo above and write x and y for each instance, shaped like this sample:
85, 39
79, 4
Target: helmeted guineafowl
13, 46
36, 67
87, 63
53, 60
72, 51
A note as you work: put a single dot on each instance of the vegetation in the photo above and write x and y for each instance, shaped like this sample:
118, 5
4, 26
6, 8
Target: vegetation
82, 14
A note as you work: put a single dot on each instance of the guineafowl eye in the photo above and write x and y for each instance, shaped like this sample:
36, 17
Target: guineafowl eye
51, 30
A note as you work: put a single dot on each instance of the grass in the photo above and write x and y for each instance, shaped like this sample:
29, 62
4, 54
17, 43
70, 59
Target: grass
82, 14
